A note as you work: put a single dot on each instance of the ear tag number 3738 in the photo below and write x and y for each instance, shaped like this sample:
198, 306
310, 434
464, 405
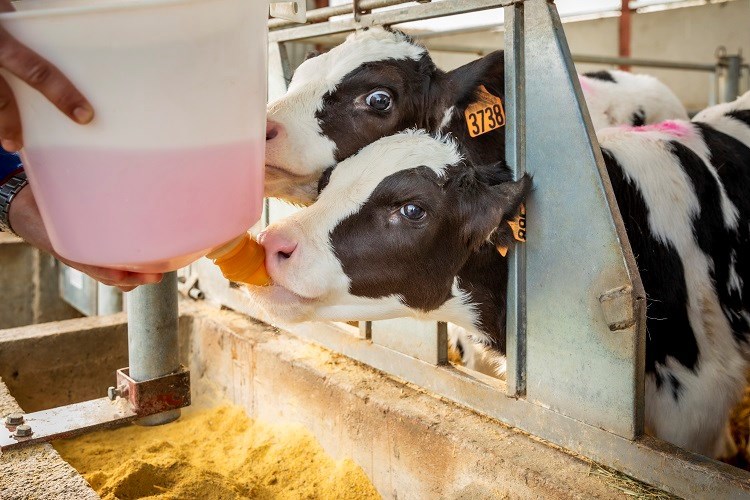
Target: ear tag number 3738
485, 114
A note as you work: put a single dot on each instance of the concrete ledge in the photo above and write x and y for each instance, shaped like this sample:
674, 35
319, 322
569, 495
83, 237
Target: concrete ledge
410, 444
30, 286
37, 472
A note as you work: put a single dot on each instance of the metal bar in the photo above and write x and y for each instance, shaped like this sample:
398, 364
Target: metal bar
515, 155
68, 421
423, 340
649, 460
624, 26
567, 272
153, 348
108, 300
325, 13
646, 63
388, 17
732, 82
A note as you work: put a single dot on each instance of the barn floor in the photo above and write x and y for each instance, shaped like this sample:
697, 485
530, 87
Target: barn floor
409, 443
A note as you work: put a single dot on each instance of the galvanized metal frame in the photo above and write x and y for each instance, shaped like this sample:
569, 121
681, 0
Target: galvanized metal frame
568, 414
565, 422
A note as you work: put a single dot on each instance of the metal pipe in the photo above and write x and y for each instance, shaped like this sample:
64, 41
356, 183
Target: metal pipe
325, 13
648, 63
153, 336
624, 32
732, 81
581, 58
108, 300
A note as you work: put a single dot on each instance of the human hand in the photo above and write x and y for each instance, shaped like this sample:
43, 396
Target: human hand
39, 74
27, 222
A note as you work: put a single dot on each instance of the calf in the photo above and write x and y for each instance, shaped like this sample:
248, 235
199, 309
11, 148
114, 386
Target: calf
407, 227
621, 98
379, 82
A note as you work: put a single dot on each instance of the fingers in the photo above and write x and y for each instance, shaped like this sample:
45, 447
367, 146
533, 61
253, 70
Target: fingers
124, 280
45, 77
10, 119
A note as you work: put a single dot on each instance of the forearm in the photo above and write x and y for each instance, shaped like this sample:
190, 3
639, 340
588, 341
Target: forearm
26, 220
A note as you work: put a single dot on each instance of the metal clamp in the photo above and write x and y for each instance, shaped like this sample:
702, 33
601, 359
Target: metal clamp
156, 395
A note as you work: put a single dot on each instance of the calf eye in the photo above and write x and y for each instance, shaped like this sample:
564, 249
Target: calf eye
379, 100
413, 212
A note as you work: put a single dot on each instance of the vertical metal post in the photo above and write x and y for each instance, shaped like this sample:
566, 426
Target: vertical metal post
515, 155
108, 300
578, 266
713, 87
732, 82
153, 336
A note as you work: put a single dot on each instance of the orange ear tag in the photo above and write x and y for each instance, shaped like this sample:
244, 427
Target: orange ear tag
485, 114
518, 226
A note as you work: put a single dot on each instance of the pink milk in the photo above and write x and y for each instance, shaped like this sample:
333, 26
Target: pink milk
146, 210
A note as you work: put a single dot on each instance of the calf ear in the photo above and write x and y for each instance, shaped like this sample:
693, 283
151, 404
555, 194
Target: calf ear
312, 53
463, 82
483, 208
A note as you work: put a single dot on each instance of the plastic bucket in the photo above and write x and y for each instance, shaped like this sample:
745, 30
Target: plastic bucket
172, 165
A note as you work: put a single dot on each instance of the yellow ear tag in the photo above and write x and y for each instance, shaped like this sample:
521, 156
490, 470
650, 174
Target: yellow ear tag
485, 114
518, 226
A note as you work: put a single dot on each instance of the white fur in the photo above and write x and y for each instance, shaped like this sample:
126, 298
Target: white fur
311, 284
447, 117
476, 356
611, 104
697, 420
301, 152
716, 117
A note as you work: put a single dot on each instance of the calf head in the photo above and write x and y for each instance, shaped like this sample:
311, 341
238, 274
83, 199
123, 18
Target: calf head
378, 82
390, 235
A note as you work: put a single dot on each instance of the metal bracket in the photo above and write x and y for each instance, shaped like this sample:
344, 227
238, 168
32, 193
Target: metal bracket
187, 284
129, 401
157, 395
295, 11
358, 12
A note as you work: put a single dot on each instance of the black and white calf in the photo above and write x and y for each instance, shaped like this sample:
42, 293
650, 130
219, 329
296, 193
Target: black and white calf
406, 227
621, 98
379, 82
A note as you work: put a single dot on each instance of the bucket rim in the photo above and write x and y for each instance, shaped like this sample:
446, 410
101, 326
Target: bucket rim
93, 8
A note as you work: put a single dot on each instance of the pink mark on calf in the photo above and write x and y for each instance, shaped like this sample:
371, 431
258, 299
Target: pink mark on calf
585, 84
672, 127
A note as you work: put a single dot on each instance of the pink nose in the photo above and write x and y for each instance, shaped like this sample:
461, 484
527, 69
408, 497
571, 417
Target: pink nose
278, 247
272, 129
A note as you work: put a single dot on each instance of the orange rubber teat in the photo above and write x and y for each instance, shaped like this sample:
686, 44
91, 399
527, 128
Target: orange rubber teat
242, 260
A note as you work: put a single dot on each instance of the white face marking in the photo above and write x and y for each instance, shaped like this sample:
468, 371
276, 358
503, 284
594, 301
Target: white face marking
311, 285
300, 153
447, 117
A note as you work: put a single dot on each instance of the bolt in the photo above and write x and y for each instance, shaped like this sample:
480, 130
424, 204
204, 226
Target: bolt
618, 308
23, 431
196, 293
14, 419
117, 392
